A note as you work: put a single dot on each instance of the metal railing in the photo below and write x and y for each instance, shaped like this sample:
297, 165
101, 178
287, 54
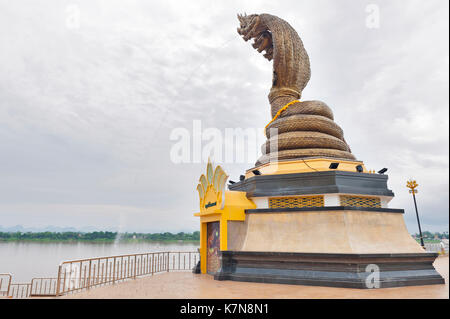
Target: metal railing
43, 287
38, 287
22, 290
436, 248
76, 275
5, 283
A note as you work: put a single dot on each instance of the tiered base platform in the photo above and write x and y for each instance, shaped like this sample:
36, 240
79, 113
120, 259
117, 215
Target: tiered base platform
333, 270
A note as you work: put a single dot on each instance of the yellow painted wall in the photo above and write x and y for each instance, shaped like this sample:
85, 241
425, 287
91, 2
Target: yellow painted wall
234, 209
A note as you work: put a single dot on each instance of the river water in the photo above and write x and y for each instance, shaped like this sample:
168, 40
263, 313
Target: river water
27, 260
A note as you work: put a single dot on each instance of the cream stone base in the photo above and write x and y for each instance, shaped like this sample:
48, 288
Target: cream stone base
343, 232
347, 247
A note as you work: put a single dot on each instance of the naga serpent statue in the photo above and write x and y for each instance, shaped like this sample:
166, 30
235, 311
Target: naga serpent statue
298, 129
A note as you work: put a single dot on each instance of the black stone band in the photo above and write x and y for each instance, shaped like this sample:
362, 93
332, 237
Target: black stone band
332, 270
330, 256
325, 182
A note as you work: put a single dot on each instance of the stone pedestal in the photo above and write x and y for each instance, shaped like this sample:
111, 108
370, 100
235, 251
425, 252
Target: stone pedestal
326, 228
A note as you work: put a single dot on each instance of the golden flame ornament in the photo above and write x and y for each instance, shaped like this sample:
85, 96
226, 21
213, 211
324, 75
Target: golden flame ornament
211, 188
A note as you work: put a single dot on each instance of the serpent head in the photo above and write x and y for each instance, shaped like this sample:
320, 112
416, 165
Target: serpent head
291, 69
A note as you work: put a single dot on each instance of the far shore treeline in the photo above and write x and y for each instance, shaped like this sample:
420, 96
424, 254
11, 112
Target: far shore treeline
429, 237
107, 236
99, 236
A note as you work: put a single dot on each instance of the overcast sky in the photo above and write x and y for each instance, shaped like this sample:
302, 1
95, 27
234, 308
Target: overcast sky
90, 92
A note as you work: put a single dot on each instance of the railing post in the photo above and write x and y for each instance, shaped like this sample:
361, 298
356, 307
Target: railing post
89, 277
84, 280
153, 262
106, 280
31, 284
64, 281
135, 265
168, 261
121, 267
114, 270
58, 281
9, 286
81, 268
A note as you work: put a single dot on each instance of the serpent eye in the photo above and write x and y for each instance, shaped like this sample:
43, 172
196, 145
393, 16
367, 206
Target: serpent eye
245, 23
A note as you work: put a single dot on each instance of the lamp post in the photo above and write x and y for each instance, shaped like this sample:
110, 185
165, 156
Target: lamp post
412, 185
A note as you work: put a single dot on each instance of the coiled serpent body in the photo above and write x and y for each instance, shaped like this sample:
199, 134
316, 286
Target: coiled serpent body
304, 129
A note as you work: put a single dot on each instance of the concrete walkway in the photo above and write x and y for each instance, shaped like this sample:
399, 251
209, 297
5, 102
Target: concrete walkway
183, 285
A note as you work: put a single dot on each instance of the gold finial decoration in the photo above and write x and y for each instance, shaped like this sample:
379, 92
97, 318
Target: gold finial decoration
211, 188
412, 185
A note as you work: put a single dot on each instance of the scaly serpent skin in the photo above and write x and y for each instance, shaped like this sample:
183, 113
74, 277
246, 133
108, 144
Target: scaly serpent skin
304, 129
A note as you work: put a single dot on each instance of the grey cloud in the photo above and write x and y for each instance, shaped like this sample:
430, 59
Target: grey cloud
86, 114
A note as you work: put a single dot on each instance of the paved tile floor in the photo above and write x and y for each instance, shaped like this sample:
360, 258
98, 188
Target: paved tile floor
175, 285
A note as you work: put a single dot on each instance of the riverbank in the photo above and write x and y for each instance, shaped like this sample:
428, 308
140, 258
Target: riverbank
99, 241
99, 237
186, 285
